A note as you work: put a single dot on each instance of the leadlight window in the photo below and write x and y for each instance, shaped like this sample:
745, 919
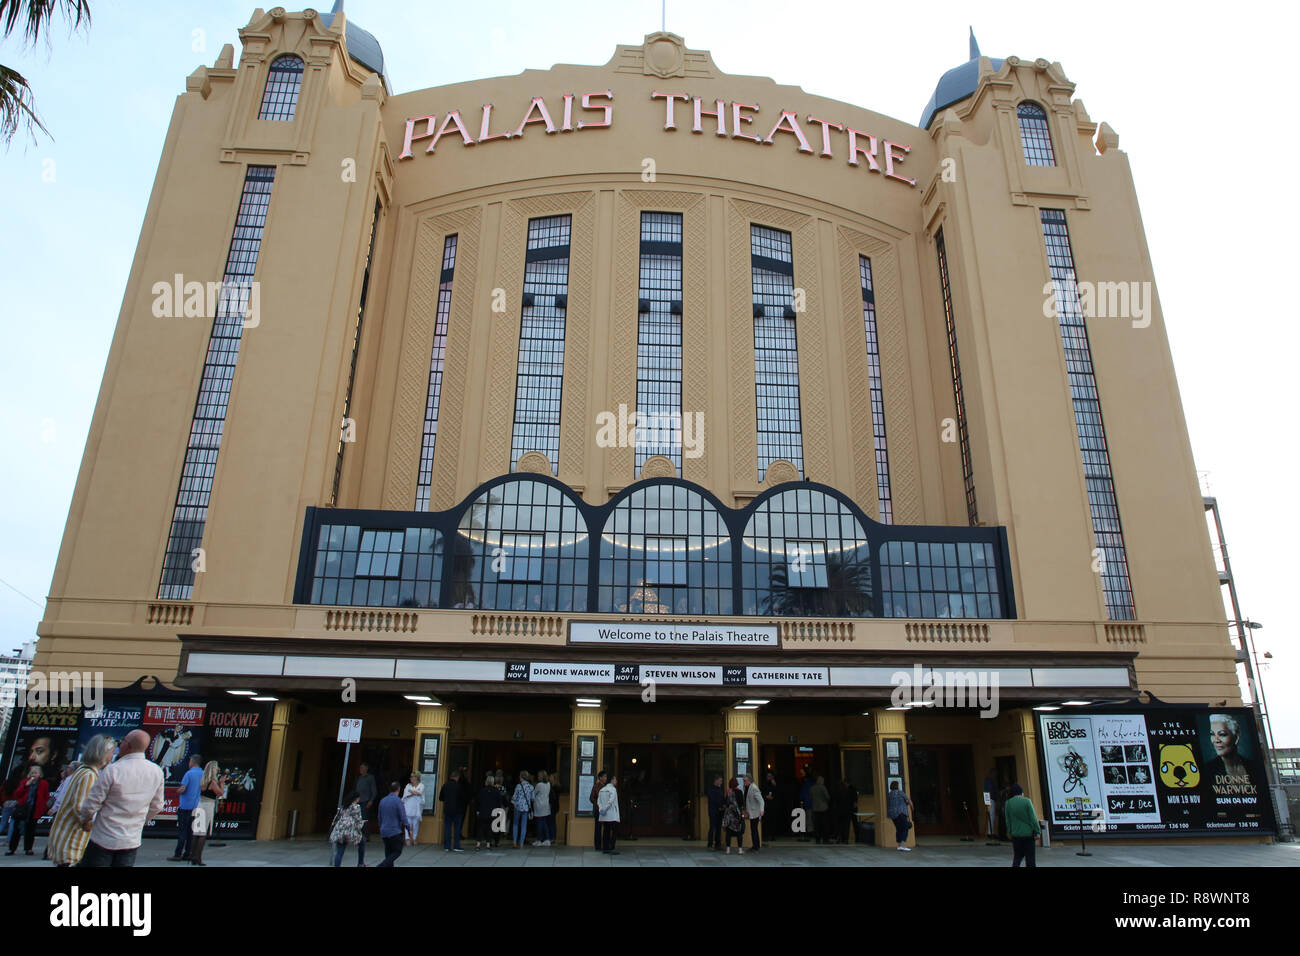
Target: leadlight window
540, 376
939, 580
380, 555
659, 339
1091, 431
190, 514
1035, 136
522, 560
367, 567
665, 549
489, 538
884, 497
959, 401
784, 573
776, 350
346, 424
807, 563
283, 84
434, 396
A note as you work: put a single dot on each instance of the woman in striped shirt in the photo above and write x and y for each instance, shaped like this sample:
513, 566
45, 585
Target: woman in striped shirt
67, 839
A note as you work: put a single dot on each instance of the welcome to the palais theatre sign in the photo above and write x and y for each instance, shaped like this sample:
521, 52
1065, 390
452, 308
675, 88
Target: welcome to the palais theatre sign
729, 119
691, 635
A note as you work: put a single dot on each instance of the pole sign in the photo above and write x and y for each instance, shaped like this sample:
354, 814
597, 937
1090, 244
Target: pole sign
349, 730
1165, 770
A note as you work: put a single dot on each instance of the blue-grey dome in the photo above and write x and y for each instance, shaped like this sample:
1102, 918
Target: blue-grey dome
956, 85
362, 45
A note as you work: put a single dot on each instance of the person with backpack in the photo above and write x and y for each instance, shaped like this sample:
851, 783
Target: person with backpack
733, 816
607, 805
522, 801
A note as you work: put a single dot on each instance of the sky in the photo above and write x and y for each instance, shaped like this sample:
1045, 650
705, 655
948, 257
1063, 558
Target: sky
1193, 91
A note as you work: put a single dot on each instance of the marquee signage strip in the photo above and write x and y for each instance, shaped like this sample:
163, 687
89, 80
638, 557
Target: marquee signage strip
617, 672
690, 635
859, 145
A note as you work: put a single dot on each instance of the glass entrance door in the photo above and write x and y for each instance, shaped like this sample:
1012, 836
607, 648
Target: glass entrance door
943, 790
656, 786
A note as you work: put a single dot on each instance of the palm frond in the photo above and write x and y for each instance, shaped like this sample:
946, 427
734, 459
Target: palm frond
35, 16
17, 109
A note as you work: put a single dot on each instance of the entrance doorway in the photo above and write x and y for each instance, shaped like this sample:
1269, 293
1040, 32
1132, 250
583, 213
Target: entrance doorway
793, 764
389, 759
944, 790
657, 789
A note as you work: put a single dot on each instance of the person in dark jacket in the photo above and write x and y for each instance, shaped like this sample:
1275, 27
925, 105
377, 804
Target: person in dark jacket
33, 798
451, 811
368, 789
805, 801
486, 804
466, 802
715, 795
846, 802
772, 818
601, 779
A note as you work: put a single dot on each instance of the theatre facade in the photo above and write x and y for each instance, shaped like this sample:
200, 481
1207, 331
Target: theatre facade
645, 417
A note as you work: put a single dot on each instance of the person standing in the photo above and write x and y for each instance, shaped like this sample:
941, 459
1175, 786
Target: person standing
67, 771
68, 840
499, 782
450, 797
821, 805
392, 824
33, 798
714, 795
898, 807
466, 802
754, 809
413, 804
846, 803
1022, 826
522, 800
542, 809
771, 794
191, 783
607, 805
991, 805
127, 794
368, 789
733, 816
594, 799
486, 804
805, 801
349, 830
212, 788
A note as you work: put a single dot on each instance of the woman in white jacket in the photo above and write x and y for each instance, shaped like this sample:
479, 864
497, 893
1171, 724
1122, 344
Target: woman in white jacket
542, 810
413, 808
607, 805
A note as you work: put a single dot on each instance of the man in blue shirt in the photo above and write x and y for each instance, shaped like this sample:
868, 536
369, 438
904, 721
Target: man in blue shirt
189, 799
392, 823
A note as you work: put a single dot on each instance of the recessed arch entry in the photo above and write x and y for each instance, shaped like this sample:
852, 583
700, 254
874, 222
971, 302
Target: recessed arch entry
661, 546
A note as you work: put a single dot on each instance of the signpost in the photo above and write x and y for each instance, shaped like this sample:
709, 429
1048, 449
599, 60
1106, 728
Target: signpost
349, 734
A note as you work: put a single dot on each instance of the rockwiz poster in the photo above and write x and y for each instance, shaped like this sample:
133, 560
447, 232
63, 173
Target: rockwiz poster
1169, 770
236, 738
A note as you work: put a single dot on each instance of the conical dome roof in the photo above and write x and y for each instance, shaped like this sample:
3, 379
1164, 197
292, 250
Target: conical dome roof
956, 85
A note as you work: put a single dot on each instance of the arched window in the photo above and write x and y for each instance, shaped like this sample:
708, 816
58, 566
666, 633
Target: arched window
665, 549
1035, 137
521, 546
283, 82
804, 554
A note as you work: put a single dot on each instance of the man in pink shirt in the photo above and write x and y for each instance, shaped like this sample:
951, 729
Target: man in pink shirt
126, 796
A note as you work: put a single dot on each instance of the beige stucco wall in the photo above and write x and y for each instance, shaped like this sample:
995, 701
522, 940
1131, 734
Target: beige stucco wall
281, 440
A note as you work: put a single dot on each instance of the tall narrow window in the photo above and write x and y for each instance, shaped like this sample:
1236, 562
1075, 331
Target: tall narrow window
776, 350
1035, 136
191, 511
347, 428
540, 376
435, 375
283, 83
659, 339
884, 500
1108, 534
959, 401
